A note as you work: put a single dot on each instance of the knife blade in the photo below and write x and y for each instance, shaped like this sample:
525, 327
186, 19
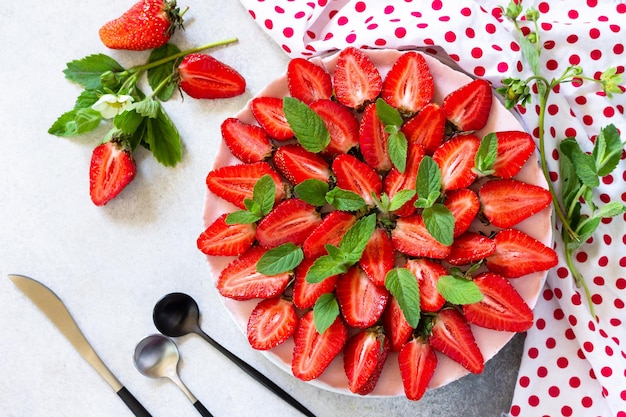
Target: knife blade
52, 306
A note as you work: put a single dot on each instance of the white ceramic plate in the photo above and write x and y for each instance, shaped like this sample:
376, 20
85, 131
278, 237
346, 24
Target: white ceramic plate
489, 341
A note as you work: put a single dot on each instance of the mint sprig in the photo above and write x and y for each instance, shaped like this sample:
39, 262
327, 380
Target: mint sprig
283, 258
325, 312
307, 126
261, 203
402, 284
397, 143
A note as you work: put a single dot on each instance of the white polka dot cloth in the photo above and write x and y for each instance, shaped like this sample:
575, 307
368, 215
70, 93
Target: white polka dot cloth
573, 364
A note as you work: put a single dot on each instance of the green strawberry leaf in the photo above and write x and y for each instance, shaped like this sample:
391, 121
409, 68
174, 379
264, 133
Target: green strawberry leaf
76, 122
458, 290
312, 191
403, 285
325, 312
88, 70
584, 163
162, 74
345, 200
86, 99
607, 150
162, 138
283, 258
308, 126
439, 222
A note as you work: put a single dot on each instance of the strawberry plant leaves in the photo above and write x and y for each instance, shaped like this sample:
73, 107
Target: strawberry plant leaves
88, 70
283, 258
308, 126
439, 222
312, 191
403, 285
486, 155
76, 122
607, 150
86, 99
163, 138
584, 163
160, 77
458, 290
345, 200
325, 312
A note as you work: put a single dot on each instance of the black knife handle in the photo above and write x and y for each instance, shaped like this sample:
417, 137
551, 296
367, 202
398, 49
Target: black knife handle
202, 410
132, 403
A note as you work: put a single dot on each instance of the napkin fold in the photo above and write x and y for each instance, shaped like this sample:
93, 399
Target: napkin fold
573, 364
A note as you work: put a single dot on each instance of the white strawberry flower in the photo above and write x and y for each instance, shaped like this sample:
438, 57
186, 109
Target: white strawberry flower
110, 105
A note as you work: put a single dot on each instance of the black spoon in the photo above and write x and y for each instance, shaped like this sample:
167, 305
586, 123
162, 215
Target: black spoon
177, 314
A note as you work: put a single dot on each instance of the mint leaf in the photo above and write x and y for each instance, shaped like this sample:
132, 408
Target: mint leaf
439, 222
283, 258
397, 147
388, 114
308, 126
354, 241
264, 193
345, 200
325, 312
325, 266
163, 139
400, 198
75, 122
428, 182
87, 71
402, 284
458, 290
242, 217
312, 191
163, 73
487, 154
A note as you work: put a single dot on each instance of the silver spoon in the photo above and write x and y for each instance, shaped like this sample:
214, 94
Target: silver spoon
156, 356
177, 314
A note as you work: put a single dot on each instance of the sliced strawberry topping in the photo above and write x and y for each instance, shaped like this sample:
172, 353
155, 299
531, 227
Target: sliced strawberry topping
271, 322
358, 177
464, 205
248, 143
409, 85
468, 107
305, 294
514, 149
452, 336
291, 220
268, 111
235, 183
379, 257
203, 76
427, 127
507, 202
373, 140
456, 160
427, 273
397, 329
356, 79
241, 281
112, 168
362, 303
297, 164
222, 239
363, 358
502, 308
411, 237
313, 352
341, 123
470, 247
418, 362
329, 232
518, 254
307, 81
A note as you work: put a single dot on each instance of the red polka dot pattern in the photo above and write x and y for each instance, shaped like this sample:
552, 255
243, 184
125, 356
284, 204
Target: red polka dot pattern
573, 364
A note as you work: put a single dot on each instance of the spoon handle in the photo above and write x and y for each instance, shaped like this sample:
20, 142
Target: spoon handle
132, 403
265, 381
202, 410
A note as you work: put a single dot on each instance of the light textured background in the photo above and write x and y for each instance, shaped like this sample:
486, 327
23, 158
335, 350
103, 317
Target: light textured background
111, 264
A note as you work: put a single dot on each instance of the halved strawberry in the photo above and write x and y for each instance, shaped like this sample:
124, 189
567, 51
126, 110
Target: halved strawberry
409, 85
468, 107
305, 294
379, 257
307, 81
329, 232
111, 169
417, 361
452, 336
464, 206
507, 202
396, 181
297, 164
272, 321
203, 76
469, 248
313, 352
427, 127
514, 149
235, 183
361, 302
358, 177
456, 160
502, 308
411, 237
518, 254
291, 220
356, 79
222, 239
248, 143
427, 272
241, 281
341, 123
397, 329
373, 140
364, 355
268, 111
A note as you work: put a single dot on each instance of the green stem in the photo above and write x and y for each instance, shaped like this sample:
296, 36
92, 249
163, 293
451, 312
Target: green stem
578, 278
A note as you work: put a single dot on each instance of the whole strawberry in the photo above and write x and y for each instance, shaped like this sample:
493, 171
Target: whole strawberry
147, 24
112, 169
